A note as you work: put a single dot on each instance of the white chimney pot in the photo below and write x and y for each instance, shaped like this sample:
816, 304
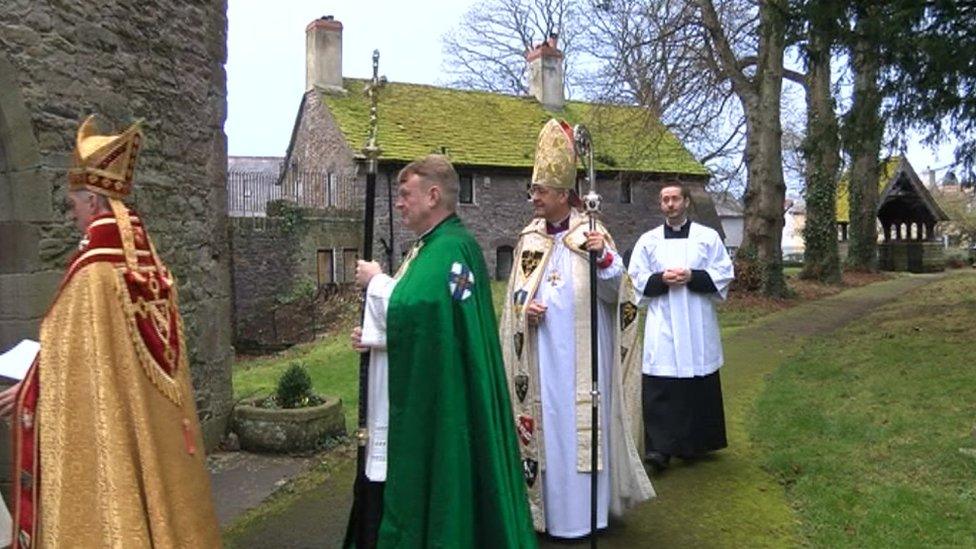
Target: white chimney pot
546, 75
323, 55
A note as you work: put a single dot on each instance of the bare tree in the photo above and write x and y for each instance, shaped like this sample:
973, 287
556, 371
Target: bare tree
757, 80
487, 50
651, 53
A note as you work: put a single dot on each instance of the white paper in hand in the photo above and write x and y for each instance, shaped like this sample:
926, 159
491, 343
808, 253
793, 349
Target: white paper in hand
15, 362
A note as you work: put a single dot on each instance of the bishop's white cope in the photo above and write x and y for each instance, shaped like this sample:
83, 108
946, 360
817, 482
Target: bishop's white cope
566, 490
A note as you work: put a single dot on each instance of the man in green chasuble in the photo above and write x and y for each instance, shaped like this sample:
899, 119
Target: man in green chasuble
442, 438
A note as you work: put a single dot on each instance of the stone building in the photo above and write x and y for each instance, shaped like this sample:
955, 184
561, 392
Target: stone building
295, 239
162, 62
252, 182
490, 138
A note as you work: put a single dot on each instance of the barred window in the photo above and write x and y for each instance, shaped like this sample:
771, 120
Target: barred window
466, 191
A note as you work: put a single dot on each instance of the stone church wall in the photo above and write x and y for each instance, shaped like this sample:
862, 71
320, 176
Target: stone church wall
163, 62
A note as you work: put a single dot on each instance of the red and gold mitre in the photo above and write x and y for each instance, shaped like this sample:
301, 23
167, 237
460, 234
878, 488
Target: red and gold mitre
555, 156
104, 164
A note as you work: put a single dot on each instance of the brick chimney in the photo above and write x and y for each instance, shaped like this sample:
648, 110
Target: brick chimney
545, 72
323, 55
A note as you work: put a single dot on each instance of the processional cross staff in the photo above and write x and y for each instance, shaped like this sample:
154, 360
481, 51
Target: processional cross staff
359, 519
591, 202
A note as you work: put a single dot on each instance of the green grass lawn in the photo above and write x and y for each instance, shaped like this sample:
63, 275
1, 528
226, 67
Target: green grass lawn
864, 428
331, 363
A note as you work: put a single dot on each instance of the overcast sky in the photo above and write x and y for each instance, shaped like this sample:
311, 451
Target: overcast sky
266, 61
266, 57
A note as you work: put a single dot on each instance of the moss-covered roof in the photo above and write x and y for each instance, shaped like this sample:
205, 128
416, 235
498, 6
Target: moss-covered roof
491, 129
887, 170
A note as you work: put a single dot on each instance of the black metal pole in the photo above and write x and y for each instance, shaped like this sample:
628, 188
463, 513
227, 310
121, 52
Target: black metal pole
360, 491
594, 392
360, 531
584, 150
389, 213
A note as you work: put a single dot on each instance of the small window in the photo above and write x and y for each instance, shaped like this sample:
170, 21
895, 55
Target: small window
349, 257
466, 192
626, 195
326, 267
332, 189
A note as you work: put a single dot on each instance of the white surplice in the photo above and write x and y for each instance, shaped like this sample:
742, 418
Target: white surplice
567, 491
681, 335
378, 405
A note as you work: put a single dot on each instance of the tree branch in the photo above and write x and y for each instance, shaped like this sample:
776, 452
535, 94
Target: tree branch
721, 46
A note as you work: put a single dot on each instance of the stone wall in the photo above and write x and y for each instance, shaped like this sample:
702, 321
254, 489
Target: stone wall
501, 209
120, 59
276, 262
915, 257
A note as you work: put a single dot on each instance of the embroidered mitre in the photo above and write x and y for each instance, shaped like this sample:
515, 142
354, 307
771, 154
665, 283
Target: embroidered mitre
555, 156
104, 164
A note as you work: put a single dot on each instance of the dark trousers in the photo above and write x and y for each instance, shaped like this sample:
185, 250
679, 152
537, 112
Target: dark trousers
362, 531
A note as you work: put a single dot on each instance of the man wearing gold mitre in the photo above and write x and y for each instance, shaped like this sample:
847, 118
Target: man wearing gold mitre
107, 446
545, 336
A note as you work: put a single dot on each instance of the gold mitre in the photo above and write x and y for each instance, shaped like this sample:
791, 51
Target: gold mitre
555, 156
104, 164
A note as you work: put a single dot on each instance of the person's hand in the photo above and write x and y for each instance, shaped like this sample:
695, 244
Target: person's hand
8, 400
356, 337
535, 313
595, 241
365, 271
676, 277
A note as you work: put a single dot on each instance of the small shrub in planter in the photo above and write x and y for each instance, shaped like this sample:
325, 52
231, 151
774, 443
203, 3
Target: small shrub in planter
294, 390
293, 419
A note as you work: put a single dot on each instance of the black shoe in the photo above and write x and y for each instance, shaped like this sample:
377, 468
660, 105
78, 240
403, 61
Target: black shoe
658, 461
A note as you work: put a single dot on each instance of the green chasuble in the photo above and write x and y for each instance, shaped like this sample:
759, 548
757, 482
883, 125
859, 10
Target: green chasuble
454, 478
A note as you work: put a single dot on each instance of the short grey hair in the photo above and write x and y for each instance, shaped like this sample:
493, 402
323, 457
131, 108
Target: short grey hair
435, 169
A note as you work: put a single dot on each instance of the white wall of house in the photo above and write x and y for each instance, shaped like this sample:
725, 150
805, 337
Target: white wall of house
793, 222
733, 227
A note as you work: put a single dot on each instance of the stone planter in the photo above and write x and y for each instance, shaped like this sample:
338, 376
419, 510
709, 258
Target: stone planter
287, 430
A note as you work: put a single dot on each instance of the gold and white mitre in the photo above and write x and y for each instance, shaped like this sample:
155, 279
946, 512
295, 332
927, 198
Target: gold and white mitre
555, 156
